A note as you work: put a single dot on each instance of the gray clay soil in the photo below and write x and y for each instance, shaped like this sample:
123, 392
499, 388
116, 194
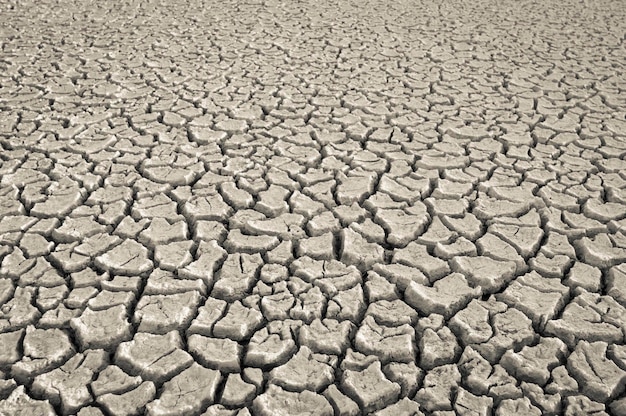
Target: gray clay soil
312, 208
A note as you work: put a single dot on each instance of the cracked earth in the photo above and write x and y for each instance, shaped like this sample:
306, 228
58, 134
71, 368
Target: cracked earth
313, 208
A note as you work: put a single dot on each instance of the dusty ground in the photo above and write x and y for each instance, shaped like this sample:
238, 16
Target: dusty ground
312, 208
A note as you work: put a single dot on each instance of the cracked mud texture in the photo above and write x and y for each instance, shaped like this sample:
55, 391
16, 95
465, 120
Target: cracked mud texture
312, 208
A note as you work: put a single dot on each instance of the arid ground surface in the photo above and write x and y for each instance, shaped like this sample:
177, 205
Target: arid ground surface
312, 208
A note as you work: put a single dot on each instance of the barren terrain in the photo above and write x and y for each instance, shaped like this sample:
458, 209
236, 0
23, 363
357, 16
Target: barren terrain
312, 208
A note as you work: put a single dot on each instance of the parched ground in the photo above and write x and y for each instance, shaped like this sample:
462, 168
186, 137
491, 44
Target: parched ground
312, 208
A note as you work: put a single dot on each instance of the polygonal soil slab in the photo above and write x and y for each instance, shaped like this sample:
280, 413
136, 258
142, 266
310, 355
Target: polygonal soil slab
278, 402
129, 258
187, 393
154, 357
